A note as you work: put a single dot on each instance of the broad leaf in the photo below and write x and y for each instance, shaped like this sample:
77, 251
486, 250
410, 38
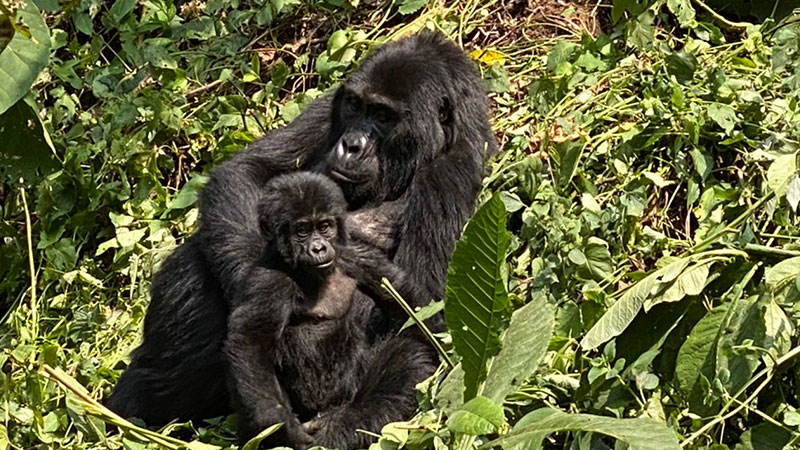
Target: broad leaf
782, 273
709, 350
477, 304
26, 150
524, 345
477, 417
24, 57
764, 436
638, 434
780, 172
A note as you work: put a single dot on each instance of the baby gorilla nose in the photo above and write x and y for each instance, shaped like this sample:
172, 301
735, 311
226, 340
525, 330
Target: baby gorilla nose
321, 253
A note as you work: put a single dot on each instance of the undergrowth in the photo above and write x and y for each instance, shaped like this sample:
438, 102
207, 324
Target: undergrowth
648, 177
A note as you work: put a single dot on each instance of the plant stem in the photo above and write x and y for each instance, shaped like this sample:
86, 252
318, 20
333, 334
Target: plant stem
111, 417
727, 23
425, 330
769, 251
733, 227
31, 268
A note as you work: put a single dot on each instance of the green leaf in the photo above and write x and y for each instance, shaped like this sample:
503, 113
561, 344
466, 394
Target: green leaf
24, 57
793, 192
782, 273
723, 115
638, 434
477, 417
764, 436
410, 6
451, 393
780, 172
621, 313
424, 313
121, 8
683, 11
560, 53
524, 345
26, 151
709, 350
188, 195
682, 66
4, 441
477, 304
253, 444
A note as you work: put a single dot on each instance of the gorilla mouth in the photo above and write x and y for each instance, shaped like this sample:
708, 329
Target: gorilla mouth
324, 264
344, 176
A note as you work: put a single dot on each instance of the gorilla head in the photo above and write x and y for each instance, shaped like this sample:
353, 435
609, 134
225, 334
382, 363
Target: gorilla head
303, 214
409, 102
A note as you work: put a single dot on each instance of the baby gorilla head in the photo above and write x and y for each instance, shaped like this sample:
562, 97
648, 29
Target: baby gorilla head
302, 213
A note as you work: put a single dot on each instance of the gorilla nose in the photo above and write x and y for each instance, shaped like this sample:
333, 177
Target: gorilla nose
319, 249
351, 144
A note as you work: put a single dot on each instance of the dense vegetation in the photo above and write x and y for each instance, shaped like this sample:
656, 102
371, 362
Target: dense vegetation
640, 223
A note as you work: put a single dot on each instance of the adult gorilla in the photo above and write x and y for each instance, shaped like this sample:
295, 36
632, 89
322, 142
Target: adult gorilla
428, 158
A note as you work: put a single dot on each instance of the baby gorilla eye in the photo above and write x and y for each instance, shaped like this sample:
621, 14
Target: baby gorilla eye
302, 229
326, 227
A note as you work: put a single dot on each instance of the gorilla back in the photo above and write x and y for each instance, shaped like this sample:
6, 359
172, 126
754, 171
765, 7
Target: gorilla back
428, 157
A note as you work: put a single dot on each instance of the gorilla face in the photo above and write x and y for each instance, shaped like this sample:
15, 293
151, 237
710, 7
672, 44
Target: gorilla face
313, 240
393, 115
303, 214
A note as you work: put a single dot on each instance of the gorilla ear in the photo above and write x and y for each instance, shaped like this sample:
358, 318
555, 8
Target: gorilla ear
446, 112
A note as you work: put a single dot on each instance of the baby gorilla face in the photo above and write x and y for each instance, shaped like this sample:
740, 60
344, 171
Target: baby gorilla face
313, 239
302, 213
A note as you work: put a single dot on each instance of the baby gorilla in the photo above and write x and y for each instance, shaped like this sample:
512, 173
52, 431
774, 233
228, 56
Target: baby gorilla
298, 351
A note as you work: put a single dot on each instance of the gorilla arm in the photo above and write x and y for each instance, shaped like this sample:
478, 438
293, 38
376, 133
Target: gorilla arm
254, 329
229, 228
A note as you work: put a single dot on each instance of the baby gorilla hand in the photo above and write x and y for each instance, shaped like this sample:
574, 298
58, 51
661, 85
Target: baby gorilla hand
326, 430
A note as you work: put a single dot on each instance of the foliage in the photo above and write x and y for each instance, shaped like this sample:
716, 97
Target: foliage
648, 179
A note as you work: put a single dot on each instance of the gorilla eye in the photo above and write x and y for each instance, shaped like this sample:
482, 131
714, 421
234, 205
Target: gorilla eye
383, 115
325, 226
302, 229
352, 103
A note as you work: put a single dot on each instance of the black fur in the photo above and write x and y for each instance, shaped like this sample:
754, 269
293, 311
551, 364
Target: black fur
430, 164
297, 348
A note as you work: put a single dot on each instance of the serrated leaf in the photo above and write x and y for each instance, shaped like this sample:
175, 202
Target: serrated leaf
477, 417
24, 57
477, 304
524, 345
638, 434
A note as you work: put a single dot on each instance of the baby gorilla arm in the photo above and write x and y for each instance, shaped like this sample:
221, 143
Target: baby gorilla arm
254, 329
